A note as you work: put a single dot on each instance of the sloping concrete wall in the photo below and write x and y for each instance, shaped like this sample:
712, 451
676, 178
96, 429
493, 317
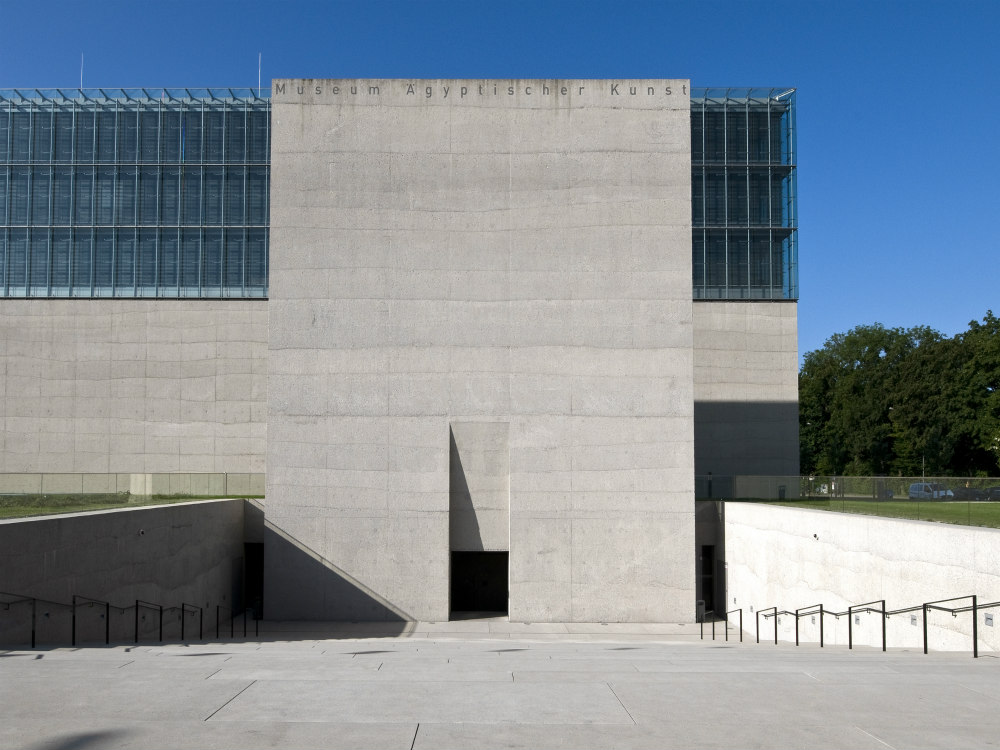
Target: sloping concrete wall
132, 386
169, 554
793, 558
510, 251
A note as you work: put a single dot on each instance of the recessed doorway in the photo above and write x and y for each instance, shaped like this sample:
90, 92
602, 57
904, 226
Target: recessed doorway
479, 582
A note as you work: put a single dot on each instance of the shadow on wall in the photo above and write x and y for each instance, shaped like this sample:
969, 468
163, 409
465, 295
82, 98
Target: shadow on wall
464, 529
743, 437
300, 585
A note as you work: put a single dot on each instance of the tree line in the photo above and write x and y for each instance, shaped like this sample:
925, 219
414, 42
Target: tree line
903, 402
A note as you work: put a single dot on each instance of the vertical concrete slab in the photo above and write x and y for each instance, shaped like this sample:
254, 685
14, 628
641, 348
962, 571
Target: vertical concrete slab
458, 251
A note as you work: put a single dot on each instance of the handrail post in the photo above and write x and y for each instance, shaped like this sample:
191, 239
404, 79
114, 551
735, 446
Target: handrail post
741, 624
161, 623
796, 626
884, 618
183, 618
727, 627
821, 626
713, 629
136, 620
850, 628
701, 628
758, 626
925, 628
72, 639
775, 626
975, 628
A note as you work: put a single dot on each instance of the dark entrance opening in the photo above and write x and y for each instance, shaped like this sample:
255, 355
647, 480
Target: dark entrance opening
707, 574
253, 578
479, 581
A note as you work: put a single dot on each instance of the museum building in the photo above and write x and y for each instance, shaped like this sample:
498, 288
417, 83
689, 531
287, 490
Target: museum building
484, 338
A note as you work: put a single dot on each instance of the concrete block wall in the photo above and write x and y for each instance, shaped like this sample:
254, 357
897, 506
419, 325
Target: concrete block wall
132, 386
185, 553
444, 252
745, 389
793, 558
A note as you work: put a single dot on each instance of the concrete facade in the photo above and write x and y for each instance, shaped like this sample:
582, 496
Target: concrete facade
746, 401
132, 386
793, 558
510, 253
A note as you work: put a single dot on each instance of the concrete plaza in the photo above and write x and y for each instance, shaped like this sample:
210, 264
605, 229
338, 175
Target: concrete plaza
492, 684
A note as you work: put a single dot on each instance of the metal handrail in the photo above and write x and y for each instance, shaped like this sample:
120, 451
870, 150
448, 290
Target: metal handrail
764, 612
803, 614
107, 617
853, 609
740, 610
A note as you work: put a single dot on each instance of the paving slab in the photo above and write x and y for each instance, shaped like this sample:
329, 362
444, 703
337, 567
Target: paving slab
466, 687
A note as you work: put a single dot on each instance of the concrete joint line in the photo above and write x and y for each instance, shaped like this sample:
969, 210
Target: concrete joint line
229, 701
620, 701
875, 738
414, 742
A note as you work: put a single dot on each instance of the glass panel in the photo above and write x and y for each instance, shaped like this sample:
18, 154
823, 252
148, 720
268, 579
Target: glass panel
41, 137
106, 141
715, 259
213, 136
233, 270
212, 187
38, 263
17, 264
20, 150
128, 135
736, 265
64, 136
170, 136
149, 136
125, 195
3, 257
125, 266
257, 260
3, 201
170, 195
4, 131
169, 251
147, 262
236, 136
104, 196
20, 179
61, 247
104, 253
257, 195
191, 137
82, 267
211, 262
41, 186
259, 140
85, 191
190, 262
62, 195
148, 198
85, 136
234, 195
191, 197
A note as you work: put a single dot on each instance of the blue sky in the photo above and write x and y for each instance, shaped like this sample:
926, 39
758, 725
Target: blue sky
899, 113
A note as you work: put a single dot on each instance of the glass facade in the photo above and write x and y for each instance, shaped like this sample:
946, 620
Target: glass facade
743, 194
165, 193
134, 193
